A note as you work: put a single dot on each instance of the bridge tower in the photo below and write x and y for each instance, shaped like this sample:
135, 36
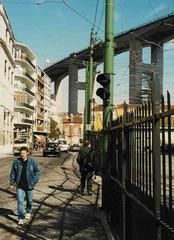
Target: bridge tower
137, 68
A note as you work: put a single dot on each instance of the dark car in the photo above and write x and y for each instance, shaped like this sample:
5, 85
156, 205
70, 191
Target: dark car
51, 148
74, 148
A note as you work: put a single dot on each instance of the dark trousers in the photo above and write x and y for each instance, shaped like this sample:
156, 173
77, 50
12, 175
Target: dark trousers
86, 176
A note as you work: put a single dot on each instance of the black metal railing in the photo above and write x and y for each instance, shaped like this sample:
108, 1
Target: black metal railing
139, 172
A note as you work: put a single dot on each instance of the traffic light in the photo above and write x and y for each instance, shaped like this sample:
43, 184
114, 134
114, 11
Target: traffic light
104, 92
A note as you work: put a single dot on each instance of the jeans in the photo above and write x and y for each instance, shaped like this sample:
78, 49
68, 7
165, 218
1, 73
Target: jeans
86, 176
21, 194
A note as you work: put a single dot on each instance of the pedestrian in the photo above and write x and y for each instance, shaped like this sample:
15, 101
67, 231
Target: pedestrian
23, 177
86, 159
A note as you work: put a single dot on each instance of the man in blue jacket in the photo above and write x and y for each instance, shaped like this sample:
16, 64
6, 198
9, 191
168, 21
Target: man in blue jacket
23, 177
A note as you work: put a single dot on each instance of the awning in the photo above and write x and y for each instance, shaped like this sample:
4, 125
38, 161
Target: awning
40, 138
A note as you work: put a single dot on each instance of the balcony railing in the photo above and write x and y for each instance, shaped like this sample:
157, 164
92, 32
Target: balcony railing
28, 76
40, 116
23, 104
25, 90
30, 62
27, 60
41, 79
40, 103
23, 120
27, 120
40, 91
40, 128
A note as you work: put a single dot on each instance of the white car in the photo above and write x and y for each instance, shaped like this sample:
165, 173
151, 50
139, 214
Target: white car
63, 145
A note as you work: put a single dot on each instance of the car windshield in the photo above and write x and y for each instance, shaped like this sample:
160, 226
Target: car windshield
51, 144
62, 142
20, 141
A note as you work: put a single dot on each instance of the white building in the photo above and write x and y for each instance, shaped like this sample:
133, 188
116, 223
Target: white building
7, 66
41, 127
24, 92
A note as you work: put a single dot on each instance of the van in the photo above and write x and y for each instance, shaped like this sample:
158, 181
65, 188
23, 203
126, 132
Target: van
18, 143
63, 144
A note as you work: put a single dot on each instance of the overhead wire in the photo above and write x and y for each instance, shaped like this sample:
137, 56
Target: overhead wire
86, 19
33, 3
95, 15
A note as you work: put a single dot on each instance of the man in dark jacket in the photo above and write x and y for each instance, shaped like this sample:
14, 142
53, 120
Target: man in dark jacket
86, 160
23, 177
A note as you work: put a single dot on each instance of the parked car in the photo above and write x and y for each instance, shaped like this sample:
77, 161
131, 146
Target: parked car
63, 144
51, 148
74, 148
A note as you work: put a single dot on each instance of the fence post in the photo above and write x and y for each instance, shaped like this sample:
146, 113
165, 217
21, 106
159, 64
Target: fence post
124, 141
156, 151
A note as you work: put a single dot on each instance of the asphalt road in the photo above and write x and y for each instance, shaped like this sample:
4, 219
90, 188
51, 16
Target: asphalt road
59, 211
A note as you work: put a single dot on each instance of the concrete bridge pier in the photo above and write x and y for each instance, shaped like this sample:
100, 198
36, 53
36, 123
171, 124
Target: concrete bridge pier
157, 62
74, 86
73, 91
135, 70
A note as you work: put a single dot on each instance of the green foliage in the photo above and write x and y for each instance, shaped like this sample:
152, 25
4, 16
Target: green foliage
54, 130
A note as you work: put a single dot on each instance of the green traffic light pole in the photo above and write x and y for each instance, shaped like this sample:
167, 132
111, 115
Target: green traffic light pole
89, 86
109, 46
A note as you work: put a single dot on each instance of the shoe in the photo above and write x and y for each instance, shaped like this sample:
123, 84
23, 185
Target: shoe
21, 222
81, 191
28, 216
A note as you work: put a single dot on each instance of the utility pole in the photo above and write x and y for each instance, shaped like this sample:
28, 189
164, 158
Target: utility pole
89, 85
109, 70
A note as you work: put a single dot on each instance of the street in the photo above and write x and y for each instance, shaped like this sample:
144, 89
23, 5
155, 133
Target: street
59, 211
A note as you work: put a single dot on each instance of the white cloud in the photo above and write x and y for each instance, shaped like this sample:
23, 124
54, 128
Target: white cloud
156, 10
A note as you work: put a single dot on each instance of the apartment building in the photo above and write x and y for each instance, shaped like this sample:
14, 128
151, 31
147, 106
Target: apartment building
41, 127
24, 92
7, 66
73, 127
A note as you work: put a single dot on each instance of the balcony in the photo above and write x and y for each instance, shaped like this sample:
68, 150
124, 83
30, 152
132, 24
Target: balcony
30, 62
40, 104
41, 92
27, 120
41, 79
40, 128
25, 90
29, 91
40, 116
28, 76
24, 105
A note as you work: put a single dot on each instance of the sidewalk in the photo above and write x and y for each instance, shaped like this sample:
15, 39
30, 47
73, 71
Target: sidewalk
60, 212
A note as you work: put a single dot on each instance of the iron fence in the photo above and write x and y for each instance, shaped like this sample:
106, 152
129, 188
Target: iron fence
140, 172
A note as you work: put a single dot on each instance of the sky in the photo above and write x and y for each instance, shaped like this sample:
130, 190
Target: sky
53, 29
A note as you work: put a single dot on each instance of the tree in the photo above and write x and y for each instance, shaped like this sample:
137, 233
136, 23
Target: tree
54, 130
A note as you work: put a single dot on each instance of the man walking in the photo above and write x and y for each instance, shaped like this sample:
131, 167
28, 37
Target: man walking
23, 177
86, 160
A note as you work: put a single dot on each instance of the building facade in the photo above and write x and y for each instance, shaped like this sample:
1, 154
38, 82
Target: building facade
7, 67
41, 126
24, 92
73, 128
